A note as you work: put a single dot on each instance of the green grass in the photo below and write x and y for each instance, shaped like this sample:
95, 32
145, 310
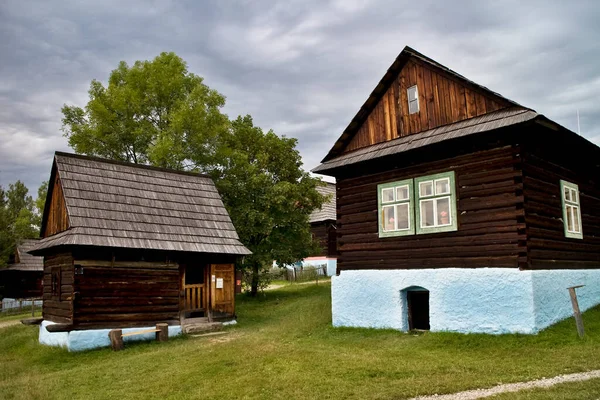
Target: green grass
21, 315
566, 391
285, 348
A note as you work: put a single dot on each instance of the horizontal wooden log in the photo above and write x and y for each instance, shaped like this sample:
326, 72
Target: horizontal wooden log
127, 264
125, 308
59, 312
64, 327
447, 262
126, 317
32, 321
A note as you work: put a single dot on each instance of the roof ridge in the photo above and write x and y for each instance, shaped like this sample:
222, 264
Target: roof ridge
129, 164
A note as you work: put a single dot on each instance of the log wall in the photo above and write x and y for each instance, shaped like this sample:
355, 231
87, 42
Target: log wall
58, 308
443, 99
22, 284
547, 246
491, 228
125, 294
325, 234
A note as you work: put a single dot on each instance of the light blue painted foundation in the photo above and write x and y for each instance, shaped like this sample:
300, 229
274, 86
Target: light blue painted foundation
93, 338
482, 300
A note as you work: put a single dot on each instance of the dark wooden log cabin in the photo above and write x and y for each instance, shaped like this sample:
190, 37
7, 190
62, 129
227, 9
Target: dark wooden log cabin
516, 190
128, 245
22, 278
322, 223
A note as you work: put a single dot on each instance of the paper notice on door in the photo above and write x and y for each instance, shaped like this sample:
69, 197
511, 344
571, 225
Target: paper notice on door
219, 283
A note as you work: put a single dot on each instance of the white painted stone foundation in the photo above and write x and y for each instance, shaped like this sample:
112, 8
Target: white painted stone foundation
93, 338
481, 300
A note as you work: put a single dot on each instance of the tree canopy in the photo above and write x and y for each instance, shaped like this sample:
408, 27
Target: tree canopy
157, 112
20, 216
153, 112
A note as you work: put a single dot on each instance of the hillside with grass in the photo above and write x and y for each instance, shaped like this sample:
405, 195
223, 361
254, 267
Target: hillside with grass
284, 347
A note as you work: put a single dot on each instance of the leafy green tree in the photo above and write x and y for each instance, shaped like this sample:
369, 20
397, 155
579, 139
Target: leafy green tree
19, 218
268, 196
40, 203
157, 112
152, 112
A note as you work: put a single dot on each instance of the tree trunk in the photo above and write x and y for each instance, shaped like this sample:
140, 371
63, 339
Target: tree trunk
254, 288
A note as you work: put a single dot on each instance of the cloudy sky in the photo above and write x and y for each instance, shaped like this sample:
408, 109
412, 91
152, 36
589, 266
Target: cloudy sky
302, 68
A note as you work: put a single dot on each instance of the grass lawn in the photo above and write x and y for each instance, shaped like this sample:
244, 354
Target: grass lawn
21, 315
285, 348
566, 391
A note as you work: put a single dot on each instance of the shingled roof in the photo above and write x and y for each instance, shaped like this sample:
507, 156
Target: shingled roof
327, 211
25, 261
116, 204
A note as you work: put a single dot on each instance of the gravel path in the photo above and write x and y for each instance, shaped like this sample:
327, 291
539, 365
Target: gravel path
9, 323
514, 387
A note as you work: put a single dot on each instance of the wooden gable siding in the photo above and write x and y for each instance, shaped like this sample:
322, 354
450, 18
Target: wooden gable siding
57, 218
443, 100
58, 308
547, 246
491, 228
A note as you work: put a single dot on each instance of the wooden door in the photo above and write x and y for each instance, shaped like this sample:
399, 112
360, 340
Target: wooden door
222, 282
194, 289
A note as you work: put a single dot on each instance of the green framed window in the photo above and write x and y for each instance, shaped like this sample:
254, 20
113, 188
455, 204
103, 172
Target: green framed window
435, 203
571, 210
396, 208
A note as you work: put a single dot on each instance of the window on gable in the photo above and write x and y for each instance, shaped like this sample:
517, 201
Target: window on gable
436, 205
396, 215
571, 210
413, 99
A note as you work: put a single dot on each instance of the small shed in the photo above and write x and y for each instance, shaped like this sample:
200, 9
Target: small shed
22, 278
128, 245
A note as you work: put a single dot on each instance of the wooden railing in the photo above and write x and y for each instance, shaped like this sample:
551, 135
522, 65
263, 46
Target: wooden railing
194, 297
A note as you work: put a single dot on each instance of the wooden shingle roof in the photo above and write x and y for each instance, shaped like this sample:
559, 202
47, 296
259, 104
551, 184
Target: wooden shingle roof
327, 212
116, 204
25, 261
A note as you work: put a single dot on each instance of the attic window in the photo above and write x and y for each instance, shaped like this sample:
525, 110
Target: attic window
413, 99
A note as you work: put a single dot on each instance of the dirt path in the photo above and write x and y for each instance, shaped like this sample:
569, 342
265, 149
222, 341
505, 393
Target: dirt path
514, 387
6, 324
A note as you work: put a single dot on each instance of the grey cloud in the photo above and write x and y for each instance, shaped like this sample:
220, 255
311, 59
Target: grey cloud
302, 68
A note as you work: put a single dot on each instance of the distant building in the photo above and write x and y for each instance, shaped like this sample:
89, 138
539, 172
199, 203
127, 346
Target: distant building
459, 209
323, 228
22, 279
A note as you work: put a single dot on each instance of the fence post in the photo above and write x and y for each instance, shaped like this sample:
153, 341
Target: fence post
163, 332
32, 308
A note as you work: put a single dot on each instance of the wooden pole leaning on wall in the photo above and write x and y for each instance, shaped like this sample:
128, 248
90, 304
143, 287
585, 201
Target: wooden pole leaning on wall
576, 312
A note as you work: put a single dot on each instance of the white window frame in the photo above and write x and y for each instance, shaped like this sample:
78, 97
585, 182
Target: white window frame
572, 207
413, 101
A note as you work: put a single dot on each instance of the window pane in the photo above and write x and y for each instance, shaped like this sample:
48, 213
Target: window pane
567, 194
442, 186
576, 222
574, 196
402, 212
427, 217
570, 218
426, 188
412, 93
387, 195
402, 193
388, 218
443, 211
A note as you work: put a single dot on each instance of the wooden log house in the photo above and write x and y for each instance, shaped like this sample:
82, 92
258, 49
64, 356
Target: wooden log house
323, 228
128, 245
22, 278
459, 209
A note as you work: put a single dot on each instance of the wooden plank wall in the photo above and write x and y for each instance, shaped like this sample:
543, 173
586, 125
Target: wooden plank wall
547, 246
58, 309
325, 234
491, 229
139, 295
57, 219
443, 100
